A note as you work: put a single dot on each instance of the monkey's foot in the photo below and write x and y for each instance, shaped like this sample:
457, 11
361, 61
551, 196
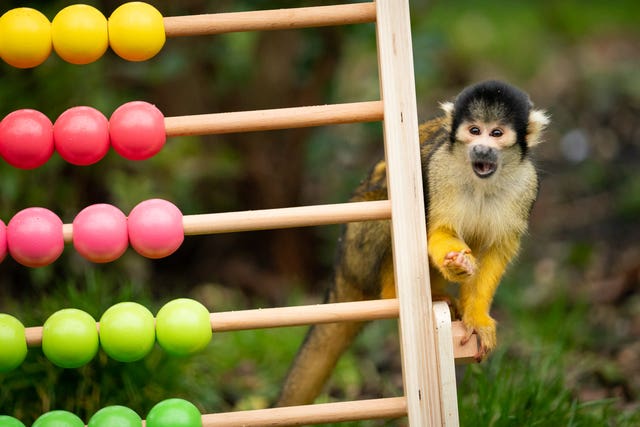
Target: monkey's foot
460, 265
486, 338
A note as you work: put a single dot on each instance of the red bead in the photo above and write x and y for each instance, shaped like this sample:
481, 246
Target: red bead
26, 139
81, 135
34, 237
100, 233
3, 240
137, 130
155, 228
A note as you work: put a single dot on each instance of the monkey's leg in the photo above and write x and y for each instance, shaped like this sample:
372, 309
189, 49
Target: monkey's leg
315, 361
476, 296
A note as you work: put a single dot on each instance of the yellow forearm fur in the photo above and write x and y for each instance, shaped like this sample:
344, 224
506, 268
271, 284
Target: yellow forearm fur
443, 241
476, 294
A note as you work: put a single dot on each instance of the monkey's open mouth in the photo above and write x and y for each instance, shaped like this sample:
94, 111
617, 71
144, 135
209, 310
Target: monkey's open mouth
484, 168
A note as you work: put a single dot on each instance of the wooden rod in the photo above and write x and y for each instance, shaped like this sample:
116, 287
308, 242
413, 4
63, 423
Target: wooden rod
304, 315
268, 219
390, 407
261, 20
357, 311
278, 118
227, 222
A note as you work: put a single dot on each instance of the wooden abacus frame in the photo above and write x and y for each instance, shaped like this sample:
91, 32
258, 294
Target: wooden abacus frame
430, 341
425, 328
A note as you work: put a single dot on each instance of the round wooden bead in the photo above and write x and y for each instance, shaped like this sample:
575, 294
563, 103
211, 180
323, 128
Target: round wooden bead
183, 327
3, 240
25, 37
137, 130
155, 228
7, 421
79, 34
26, 139
13, 343
127, 331
100, 233
174, 413
115, 416
70, 338
81, 135
58, 418
34, 237
136, 31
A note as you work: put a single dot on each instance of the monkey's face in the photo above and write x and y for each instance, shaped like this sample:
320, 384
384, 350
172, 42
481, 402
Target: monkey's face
491, 127
487, 144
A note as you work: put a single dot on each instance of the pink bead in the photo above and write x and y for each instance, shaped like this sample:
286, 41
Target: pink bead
3, 240
137, 130
26, 139
100, 233
34, 237
155, 228
81, 135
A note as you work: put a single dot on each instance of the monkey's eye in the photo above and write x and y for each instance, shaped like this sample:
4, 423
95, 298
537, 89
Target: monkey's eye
496, 133
474, 130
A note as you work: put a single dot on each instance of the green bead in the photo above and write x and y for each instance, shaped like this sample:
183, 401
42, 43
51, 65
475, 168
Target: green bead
7, 421
70, 338
115, 416
13, 344
183, 327
58, 419
127, 331
174, 413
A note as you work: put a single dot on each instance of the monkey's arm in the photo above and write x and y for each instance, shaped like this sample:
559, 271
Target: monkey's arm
476, 295
479, 279
450, 254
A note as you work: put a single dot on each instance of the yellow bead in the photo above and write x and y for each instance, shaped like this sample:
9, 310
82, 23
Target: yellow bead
136, 31
79, 34
25, 37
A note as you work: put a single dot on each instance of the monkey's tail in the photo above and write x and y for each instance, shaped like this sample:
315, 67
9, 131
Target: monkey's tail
314, 363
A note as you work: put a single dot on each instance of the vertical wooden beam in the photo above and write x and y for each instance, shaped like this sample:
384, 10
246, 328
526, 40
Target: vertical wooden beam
404, 175
446, 365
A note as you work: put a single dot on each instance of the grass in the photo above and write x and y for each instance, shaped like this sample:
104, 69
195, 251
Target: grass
530, 379
525, 391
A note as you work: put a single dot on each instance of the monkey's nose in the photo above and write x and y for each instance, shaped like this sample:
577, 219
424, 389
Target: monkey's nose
484, 160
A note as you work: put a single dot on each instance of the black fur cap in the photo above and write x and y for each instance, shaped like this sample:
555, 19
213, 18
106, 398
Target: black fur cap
493, 100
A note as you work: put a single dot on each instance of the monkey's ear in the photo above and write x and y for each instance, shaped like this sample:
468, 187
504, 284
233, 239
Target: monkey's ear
538, 121
447, 107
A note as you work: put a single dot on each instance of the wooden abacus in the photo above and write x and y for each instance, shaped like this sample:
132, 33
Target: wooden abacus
430, 340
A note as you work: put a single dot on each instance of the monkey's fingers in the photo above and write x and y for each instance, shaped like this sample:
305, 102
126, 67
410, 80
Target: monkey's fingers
469, 333
481, 354
487, 338
485, 332
460, 263
482, 351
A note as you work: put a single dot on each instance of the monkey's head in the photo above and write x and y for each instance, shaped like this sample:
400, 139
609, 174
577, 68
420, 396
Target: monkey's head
495, 124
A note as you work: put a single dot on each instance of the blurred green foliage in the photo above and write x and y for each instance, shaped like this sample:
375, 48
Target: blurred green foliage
578, 59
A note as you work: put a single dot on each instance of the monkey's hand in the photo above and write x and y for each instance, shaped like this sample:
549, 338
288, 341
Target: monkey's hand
485, 328
460, 265
450, 255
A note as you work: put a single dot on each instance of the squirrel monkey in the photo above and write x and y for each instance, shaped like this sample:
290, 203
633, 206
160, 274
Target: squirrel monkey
480, 186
